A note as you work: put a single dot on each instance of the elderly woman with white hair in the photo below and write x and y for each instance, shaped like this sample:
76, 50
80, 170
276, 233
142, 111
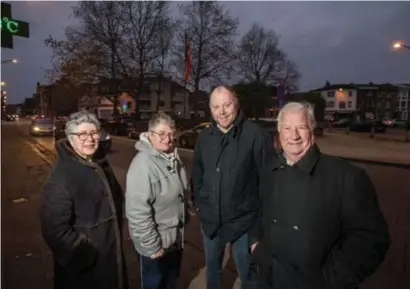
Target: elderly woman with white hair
82, 211
155, 204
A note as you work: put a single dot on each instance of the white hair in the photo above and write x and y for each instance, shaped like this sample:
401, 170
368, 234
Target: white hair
160, 118
305, 107
77, 118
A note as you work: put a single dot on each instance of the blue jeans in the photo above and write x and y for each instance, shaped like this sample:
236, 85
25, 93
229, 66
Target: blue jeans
214, 252
160, 273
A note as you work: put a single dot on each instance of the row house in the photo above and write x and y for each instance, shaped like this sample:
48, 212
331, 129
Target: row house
359, 100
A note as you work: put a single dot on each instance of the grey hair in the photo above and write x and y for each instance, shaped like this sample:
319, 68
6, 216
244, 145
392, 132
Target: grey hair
305, 107
160, 118
77, 118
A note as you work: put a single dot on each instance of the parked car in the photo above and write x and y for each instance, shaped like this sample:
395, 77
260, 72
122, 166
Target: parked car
120, 124
105, 144
342, 123
187, 138
366, 126
41, 126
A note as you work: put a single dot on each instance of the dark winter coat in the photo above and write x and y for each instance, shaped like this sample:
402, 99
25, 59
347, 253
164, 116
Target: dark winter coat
81, 218
321, 225
226, 177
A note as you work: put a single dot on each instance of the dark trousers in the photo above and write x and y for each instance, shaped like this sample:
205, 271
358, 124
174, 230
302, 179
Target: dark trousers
214, 252
160, 273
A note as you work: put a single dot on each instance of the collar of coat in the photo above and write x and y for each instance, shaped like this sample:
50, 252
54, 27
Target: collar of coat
66, 152
236, 127
307, 163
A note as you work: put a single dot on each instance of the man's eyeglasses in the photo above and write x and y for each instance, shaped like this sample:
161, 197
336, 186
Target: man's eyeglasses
83, 136
163, 135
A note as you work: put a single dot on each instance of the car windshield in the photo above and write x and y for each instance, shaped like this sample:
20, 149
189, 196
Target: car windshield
43, 121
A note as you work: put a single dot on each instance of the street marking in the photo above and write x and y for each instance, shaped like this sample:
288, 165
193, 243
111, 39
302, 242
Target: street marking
39, 153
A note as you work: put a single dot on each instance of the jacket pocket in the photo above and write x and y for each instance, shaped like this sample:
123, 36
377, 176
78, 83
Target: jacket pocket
338, 276
169, 233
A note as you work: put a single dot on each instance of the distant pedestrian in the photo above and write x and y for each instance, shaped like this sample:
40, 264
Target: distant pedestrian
321, 226
82, 212
227, 159
156, 204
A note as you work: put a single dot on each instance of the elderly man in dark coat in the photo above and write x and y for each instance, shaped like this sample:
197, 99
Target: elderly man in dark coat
82, 211
320, 225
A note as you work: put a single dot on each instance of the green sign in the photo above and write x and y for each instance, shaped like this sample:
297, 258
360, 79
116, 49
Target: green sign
11, 27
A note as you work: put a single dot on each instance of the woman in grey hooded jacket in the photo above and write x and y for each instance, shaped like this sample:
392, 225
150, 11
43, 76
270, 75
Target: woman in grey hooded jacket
155, 204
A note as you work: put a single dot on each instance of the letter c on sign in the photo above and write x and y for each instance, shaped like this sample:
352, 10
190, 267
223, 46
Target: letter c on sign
12, 26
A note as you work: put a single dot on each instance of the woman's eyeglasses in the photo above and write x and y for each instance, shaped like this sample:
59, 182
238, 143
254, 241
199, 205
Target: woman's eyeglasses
164, 135
83, 136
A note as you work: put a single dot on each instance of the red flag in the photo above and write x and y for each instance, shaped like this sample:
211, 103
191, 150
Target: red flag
187, 68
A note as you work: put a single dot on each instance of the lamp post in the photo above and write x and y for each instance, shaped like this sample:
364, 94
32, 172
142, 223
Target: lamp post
14, 60
398, 45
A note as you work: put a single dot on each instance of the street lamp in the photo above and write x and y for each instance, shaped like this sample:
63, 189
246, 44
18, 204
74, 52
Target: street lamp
399, 45
14, 60
3, 83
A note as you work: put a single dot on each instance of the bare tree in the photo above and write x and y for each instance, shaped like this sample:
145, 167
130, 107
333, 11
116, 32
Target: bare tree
162, 63
289, 76
259, 56
211, 32
118, 40
146, 20
260, 59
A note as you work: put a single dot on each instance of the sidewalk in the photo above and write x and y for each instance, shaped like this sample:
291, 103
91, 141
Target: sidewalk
358, 147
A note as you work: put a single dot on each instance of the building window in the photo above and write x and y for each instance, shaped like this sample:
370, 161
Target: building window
349, 104
350, 93
342, 104
330, 104
330, 94
403, 104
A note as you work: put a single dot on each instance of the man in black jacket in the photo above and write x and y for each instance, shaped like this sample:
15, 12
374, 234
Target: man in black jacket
321, 226
227, 160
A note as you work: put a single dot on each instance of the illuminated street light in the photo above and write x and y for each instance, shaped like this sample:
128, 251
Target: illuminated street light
3, 83
14, 60
399, 45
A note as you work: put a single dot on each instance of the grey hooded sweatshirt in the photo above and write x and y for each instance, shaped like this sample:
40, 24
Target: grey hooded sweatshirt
155, 199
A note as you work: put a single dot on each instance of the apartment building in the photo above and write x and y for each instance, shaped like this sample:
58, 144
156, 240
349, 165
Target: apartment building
359, 100
402, 111
340, 99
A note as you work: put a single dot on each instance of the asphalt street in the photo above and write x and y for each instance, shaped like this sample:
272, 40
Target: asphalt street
392, 185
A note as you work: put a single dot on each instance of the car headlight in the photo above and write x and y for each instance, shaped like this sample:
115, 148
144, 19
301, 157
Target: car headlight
36, 128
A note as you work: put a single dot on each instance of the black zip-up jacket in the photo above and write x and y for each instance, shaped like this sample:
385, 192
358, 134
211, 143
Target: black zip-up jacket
225, 177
